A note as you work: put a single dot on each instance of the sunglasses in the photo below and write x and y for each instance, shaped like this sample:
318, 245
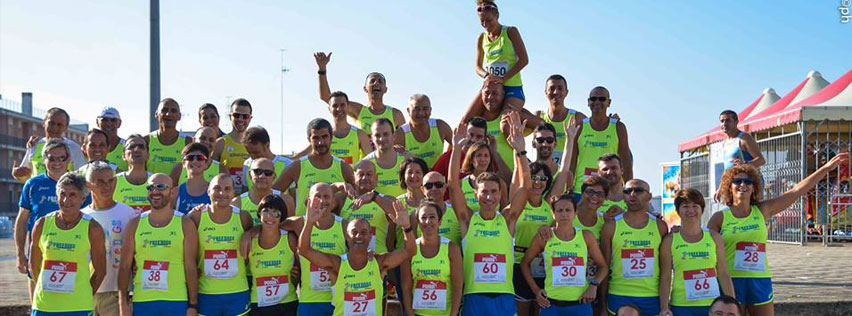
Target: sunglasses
195, 157
270, 212
542, 140
265, 172
628, 191
56, 158
431, 185
157, 187
243, 116
485, 8
593, 99
593, 193
538, 178
742, 181
107, 119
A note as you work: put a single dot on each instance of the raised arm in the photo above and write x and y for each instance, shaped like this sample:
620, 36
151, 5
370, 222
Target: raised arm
782, 202
322, 60
565, 174
326, 261
393, 259
522, 169
453, 181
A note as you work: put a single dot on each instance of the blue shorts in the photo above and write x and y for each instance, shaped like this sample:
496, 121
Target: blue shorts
584, 309
489, 304
40, 313
753, 291
232, 304
159, 308
316, 309
690, 310
648, 306
514, 92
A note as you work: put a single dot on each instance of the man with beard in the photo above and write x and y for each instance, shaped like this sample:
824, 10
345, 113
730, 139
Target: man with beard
386, 159
423, 136
207, 137
349, 143
130, 185
109, 121
375, 86
256, 140
318, 166
544, 140
609, 167
229, 148
55, 124
357, 277
164, 245
556, 89
262, 174
166, 143
599, 135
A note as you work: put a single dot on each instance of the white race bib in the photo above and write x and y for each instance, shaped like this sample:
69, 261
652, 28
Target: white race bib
498, 68
701, 284
568, 271
537, 268
637, 263
489, 268
155, 275
359, 303
220, 264
750, 256
430, 294
320, 279
271, 290
59, 276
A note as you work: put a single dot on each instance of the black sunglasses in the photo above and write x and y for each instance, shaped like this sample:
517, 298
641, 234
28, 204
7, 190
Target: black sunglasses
593, 99
240, 115
265, 172
638, 190
195, 157
742, 181
157, 187
542, 140
430, 185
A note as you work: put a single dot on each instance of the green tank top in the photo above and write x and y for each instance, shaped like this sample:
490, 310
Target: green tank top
503, 149
635, 255
594, 229
310, 175
161, 158
388, 179
366, 118
531, 219
432, 286
560, 133
609, 203
135, 196
347, 147
488, 256
250, 207
470, 193
63, 284
315, 285
211, 171
372, 213
500, 57
695, 282
233, 156
565, 264
358, 293
159, 258
37, 159
450, 228
270, 270
591, 145
745, 244
280, 163
221, 268
116, 156
428, 150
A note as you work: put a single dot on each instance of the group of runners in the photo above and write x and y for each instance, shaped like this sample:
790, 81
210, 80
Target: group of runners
451, 219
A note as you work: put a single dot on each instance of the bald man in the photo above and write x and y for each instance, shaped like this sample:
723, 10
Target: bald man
356, 277
207, 137
165, 144
423, 136
158, 268
434, 188
631, 244
262, 172
367, 203
599, 135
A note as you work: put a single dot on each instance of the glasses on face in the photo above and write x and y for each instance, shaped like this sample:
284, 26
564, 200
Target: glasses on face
593, 99
195, 157
538, 178
243, 116
542, 140
485, 7
593, 193
431, 185
270, 212
638, 190
108, 119
56, 158
264, 172
157, 187
742, 181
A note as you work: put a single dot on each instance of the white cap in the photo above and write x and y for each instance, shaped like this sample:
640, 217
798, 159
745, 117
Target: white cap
110, 112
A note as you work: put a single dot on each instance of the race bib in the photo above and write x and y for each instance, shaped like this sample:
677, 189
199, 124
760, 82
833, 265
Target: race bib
557, 157
430, 294
590, 172
271, 290
237, 176
537, 268
489, 268
320, 279
498, 68
568, 271
750, 256
220, 264
701, 284
359, 303
637, 263
59, 276
155, 275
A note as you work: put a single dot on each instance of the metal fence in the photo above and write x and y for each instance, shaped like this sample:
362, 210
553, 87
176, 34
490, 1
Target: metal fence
782, 171
695, 174
829, 205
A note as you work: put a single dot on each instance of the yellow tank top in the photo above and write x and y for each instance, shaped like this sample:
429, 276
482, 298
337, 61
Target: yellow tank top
358, 292
428, 150
432, 285
526, 228
366, 118
159, 259
487, 246
310, 175
161, 158
63, 284
565, 264
635, 255
500, 57
246, 204
388, 179
347, 147
591, 145
594, 229
221, 267
745, 244
233, 156
315, 285
695, 282
506, 152
372, 213
270, 270
116, 156
470, 193
559, 148
135, 196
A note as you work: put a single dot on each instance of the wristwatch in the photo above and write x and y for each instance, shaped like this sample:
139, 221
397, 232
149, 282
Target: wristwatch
594, 282
409, 229
521, 153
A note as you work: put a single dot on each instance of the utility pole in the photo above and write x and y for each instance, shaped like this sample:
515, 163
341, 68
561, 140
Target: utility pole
283, 70
155, 64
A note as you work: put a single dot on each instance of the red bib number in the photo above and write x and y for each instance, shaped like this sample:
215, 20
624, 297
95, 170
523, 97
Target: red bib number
489, 268
59, 276
220, 264
430, 294
155, 275
750, 256
701, 284
320, 279
568, 271
359, 303
271, 290
637, 263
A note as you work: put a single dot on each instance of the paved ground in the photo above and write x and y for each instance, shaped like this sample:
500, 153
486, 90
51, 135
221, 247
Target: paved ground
806, 279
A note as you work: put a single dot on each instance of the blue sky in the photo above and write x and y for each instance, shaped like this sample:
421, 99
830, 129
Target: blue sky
671, 66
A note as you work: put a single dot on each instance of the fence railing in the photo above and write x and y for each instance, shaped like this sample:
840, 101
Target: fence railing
782, 171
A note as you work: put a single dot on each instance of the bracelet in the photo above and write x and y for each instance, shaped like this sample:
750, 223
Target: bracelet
321, 72
409, 229
521, 153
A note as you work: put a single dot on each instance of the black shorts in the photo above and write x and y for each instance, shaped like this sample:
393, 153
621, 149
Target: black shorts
286, 309
522, 289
